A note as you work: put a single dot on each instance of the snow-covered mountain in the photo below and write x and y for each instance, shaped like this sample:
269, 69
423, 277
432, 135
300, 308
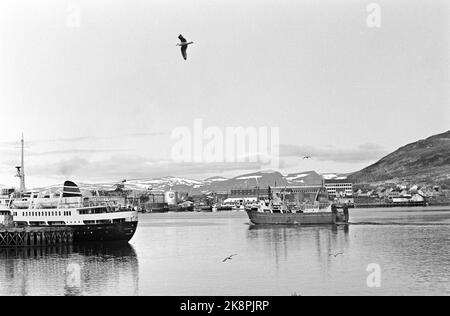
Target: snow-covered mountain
334, 176
214, 180
304, 178
250, 180
212, 184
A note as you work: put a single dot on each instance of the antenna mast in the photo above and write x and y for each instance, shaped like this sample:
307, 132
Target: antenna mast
21, 169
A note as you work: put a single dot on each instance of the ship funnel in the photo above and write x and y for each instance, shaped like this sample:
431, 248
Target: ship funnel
70, 189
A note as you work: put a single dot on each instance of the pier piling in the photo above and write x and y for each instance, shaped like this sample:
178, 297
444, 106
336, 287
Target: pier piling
35, 236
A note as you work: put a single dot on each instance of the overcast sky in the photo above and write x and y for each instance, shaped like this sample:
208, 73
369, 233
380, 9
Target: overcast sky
99, 102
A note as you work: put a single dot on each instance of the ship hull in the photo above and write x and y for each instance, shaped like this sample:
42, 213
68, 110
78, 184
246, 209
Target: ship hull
316, 218
104, 232
224, 208
205, 209
158, 210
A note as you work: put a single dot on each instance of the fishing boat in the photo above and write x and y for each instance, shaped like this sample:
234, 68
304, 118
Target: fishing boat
223, 207
276, 212
202, 207
155, 207
187, 206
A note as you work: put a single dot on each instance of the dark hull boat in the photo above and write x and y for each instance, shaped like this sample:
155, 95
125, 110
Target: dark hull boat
315, 215
156, 208
277, 212
224, 208
203, 208
313, 218
104, 232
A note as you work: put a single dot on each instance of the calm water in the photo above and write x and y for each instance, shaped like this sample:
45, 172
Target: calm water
181, 254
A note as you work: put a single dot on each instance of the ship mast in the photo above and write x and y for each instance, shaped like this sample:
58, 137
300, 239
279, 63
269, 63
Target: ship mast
21, 169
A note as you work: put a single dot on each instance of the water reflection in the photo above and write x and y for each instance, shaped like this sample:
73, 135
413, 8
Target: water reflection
317, 244
185, 258
89, 269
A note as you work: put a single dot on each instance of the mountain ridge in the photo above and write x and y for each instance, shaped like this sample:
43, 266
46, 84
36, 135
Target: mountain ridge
423, 161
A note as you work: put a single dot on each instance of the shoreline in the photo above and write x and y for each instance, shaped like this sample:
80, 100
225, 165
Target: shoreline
226, 214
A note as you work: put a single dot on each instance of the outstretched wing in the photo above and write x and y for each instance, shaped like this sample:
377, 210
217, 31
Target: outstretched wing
183, 51
182, 39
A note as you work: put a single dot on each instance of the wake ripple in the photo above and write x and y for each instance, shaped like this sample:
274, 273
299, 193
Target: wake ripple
399, 224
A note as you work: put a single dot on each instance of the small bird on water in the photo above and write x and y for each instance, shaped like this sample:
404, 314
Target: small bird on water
229, 258
184, 45
306, 157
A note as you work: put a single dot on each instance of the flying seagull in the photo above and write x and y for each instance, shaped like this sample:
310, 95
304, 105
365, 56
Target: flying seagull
336, 254
229, 258
184, 45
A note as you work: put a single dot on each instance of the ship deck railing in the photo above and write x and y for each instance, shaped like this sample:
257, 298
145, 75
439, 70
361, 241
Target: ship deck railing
87, 204
70, 205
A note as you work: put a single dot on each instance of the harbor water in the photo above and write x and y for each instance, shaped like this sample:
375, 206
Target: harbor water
396, 251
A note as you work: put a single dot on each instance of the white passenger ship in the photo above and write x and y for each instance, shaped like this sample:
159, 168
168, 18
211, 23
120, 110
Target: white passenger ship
91, 218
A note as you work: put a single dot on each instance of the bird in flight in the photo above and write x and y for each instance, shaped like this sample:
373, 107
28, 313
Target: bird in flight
229, 258
336, 254
184, 45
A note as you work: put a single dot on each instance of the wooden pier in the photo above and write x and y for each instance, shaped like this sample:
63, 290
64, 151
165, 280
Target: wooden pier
35, 236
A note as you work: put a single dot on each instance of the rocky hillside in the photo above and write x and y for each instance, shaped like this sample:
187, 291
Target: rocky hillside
425, 161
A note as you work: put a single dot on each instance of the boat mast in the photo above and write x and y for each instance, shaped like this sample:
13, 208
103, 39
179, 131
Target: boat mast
21, 169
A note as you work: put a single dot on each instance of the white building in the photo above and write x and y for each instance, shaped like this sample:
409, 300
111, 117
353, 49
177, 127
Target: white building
339, 187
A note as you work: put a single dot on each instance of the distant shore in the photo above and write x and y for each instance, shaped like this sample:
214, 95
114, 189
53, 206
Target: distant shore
236, 214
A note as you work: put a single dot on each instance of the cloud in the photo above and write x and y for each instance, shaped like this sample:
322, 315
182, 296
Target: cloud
362, 153
145, 134
9, 144
218, 167
74, 151
70, 166
92, 138
9, 152
16, 143
94, 168
130, 167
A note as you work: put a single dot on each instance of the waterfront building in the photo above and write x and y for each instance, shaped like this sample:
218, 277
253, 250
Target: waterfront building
263, 193
339, 187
